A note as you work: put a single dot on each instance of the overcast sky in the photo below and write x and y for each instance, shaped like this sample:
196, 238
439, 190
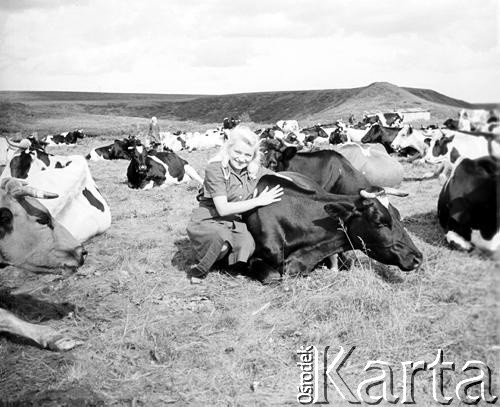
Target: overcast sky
233, 46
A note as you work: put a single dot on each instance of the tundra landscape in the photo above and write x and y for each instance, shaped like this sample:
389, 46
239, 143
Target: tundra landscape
151, 338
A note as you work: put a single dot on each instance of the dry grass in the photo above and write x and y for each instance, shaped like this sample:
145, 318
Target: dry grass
153, 339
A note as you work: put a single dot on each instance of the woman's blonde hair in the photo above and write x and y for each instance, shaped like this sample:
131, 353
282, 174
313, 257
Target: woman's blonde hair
247, 136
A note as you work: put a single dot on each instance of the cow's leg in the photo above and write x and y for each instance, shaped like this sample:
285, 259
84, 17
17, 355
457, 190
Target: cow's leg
45, 336
457, 241
303, 260
264, 272
193, 174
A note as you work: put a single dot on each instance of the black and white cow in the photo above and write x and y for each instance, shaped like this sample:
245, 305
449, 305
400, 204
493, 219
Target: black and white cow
468, 208
31, 239
230, 123
79, 207
393, 119
68, 138
148, 169
383, 135
449, 145
119, 150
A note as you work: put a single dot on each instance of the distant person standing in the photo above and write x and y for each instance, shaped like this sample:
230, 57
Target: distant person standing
154, 133
464, 122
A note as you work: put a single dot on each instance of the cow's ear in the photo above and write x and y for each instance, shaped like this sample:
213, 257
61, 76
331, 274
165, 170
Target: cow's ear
448, 139
6, 218
340, 210
454, 155
289, 153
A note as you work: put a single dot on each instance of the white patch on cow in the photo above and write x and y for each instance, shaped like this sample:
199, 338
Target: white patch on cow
454, 238
279, 134
95, 157
467, 145
169, 180
140, 149
384, 200
49, 141
149, 185
288, 126
489, 245
382, 120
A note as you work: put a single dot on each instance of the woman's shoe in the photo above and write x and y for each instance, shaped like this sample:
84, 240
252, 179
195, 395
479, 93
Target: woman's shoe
196, 272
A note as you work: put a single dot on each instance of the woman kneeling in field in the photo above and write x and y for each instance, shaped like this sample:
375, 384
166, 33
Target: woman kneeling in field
216, 229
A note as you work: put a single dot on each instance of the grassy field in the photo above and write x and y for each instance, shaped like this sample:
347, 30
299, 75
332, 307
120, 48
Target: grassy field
152, 338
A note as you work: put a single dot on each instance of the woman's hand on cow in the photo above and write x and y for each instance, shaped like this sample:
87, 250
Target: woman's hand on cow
268, 196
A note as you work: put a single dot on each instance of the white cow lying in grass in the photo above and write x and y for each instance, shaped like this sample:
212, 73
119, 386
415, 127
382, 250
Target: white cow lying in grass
210, 139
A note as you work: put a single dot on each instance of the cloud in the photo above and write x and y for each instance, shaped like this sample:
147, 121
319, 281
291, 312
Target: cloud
21, 5
221, 53
222, 46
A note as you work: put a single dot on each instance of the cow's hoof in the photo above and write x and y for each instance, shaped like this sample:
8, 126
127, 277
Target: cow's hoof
63, 343
458, 242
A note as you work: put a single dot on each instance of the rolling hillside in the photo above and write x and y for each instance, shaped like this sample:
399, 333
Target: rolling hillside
24, 111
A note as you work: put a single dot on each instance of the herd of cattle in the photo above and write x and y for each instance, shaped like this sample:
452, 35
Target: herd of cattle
338, 180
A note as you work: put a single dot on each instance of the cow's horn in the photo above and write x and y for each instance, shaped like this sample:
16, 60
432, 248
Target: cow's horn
394, 191
366, 194
23, 144
34, 192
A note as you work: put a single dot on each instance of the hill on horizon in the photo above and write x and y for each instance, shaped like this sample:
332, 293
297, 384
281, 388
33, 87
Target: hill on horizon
20, 110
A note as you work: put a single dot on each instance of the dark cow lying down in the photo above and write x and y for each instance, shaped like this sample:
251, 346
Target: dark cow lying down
330, 169
468, 207
309, 225
31, 239
119, 150
383, 135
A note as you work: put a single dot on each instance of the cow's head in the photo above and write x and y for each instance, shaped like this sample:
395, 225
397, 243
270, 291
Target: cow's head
37, 144
406, 138
438, 148
120, 148
451, 124
276, 155
73, 136
376, 228
29, 154
29, 236
373, 135
338, 136
370, 119
138, 156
